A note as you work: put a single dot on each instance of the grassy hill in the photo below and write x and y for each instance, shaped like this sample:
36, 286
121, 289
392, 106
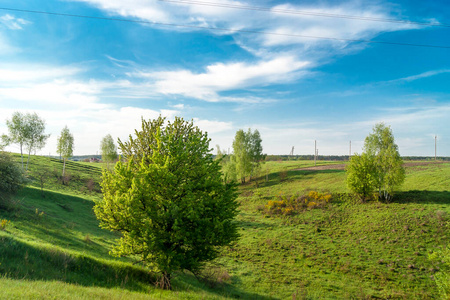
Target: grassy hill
53, 247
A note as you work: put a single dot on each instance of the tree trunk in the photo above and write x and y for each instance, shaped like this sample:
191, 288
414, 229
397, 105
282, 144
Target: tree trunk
165, 281
28, 159
64, 166
21, 154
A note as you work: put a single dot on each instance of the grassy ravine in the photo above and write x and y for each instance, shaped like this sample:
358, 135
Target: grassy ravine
53, 247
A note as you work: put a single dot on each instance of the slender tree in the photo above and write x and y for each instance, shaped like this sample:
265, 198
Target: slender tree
241, 156
36, 138
108, 149
380, 167
65, 146
247, 156
390, 172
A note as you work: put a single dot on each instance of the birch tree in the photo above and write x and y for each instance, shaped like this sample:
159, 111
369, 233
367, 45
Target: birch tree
27, 131
108, 149
380, 168
65, 146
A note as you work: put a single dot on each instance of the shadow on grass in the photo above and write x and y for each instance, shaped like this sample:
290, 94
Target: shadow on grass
422, 197
23, 261
20, 260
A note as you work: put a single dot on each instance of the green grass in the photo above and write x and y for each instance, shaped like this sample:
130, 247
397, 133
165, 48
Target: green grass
53, 247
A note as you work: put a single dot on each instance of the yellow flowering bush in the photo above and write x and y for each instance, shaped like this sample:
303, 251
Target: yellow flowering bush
289, 205
3, 224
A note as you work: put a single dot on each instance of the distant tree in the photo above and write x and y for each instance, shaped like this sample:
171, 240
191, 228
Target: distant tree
36, 138
247, 155
168, 199
108, 149
255, 149
390, 172
379, 168
228, 165
241, 155
65, 146
26, 130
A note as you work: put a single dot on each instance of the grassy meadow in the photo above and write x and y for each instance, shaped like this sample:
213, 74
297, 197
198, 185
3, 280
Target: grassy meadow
53, 248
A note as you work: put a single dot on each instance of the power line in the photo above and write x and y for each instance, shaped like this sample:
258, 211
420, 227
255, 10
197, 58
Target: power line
306, 13
224, 29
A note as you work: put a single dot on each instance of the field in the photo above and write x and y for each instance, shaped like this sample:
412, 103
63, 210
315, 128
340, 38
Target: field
53, 247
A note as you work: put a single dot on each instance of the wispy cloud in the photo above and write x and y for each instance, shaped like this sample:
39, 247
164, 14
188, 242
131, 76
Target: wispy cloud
417, 77
12, 22
224, 77
282, 24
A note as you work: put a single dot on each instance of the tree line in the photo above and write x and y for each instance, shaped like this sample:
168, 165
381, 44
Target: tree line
28, 132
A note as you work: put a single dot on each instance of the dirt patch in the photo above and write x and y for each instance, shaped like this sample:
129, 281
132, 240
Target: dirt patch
326, 167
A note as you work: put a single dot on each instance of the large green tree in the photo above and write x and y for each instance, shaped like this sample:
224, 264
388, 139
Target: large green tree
65, 146
108, 149
26, 130
380, 167
168, 198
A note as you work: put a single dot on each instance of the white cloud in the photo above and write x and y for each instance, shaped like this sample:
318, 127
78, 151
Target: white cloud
279, 23
64, 100
12, 22
225, 77
34, 73
213, 126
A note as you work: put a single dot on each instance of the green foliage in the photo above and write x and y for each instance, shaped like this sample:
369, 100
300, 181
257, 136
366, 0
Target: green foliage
442, 277
247, 157
228, 165
361, 175
379, 168
11, 178
108, 149
65, 146
168, 200
390, 172
26, 130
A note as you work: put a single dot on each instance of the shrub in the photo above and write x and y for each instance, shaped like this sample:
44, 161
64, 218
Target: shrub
3, 224
286, 206
11, 178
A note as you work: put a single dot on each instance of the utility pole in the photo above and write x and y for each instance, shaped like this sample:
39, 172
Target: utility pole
435, 147
315, 151
350, 151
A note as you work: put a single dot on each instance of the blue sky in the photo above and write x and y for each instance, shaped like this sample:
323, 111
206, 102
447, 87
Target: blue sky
99, 77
